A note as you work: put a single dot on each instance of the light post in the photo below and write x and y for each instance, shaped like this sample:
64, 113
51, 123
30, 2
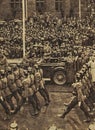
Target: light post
80, 9
23, 19
26, 8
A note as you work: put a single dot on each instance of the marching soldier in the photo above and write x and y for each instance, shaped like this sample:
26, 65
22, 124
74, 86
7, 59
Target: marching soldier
86, 91
69, 65
3, 96
39, 82
34, 88
91, 86
12, 86
18, 82
28, 92
6, 91
79, 99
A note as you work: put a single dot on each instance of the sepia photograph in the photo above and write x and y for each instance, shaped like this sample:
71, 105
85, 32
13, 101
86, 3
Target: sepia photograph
47, 64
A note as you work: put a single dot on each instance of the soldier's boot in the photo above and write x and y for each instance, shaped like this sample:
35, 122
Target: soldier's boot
84, 109
20, 105
9, 100
65, 113
32, 101
43, 94
4, 105
6, 116
73, 103
89, 104
38, 106
92, 94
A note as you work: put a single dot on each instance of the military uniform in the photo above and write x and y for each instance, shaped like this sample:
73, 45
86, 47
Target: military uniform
29, 92
91, 86
6, 93
12, 86
18, 81
33, 86
77, 100
39, 83
70, 72
86, 91
92, 69
2, 100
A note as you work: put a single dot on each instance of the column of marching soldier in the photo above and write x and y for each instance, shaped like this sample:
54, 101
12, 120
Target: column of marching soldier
83, 92
18, 84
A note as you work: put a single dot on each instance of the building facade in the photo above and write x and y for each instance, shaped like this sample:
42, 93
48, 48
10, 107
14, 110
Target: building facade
65, 8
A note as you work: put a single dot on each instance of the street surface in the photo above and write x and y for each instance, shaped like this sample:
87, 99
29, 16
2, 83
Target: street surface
48, 117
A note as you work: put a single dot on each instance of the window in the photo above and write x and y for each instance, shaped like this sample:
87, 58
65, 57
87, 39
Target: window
58, 5
40, 5
16, 4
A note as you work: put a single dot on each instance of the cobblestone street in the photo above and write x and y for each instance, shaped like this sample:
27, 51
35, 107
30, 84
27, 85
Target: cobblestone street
49, 116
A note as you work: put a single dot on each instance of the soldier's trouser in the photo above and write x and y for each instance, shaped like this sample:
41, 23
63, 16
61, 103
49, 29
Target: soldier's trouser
20, 91
32, 101
4, 105
9, 100
47, 94
89, 103
16, 96
73, 103
20, 105
84, 109
43, 94
37, 101
92, 94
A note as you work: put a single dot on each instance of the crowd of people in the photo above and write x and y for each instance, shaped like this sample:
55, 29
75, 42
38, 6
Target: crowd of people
42, 30
46, 37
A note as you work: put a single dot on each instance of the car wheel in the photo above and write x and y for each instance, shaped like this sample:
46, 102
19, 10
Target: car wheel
59, 77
